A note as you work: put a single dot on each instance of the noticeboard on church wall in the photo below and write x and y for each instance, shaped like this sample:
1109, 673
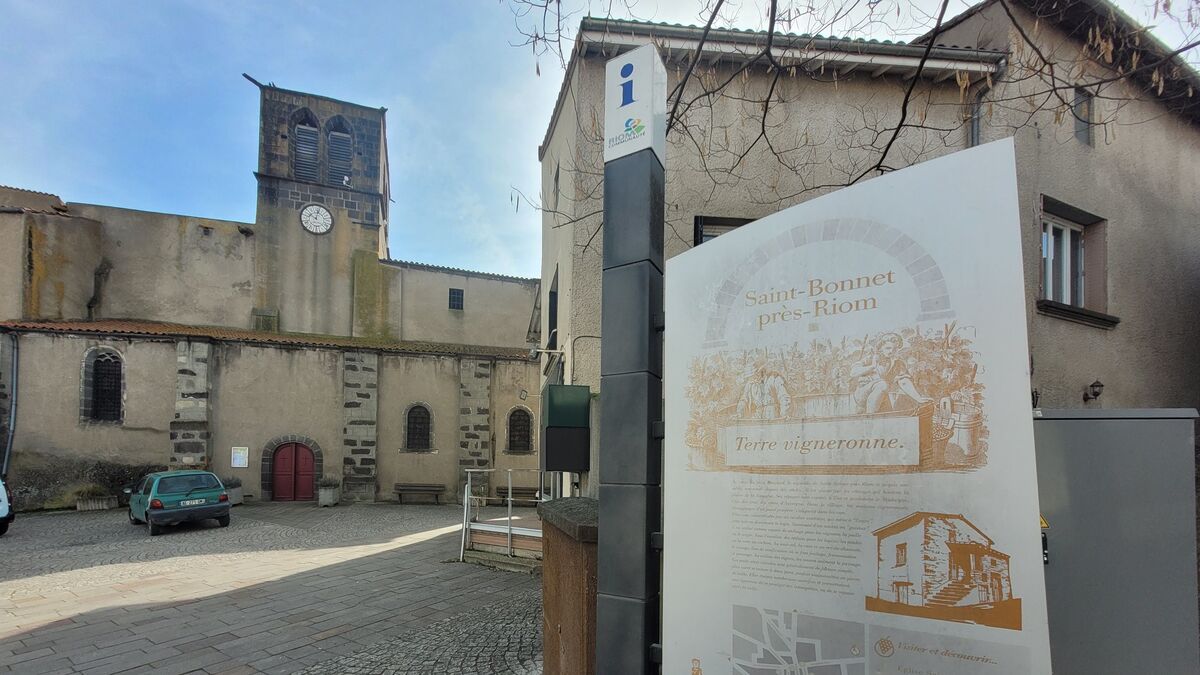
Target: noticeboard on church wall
849, 479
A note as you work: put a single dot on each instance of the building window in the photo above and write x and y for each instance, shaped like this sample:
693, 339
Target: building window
103, 386
901, 555
552, 313
1084, 110
418, 429
520, 432
340, 149
711, 227
1062, 262
456, 298
556, 169
1074, 270
975, 121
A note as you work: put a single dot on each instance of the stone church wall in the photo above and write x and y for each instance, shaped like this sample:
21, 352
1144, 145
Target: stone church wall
173, 268
509, 379
259, 394
56, 452
431, 381
12, 264
63, 255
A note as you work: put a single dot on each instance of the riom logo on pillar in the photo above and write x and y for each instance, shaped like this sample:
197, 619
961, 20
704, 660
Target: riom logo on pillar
635, 112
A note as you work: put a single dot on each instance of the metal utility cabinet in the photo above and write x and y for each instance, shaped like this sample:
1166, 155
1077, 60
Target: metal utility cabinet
1118, 492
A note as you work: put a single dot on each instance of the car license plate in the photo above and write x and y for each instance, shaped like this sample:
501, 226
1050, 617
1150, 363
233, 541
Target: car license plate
192, 502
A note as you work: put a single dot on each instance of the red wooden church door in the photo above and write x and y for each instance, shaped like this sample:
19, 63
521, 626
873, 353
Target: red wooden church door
293, 472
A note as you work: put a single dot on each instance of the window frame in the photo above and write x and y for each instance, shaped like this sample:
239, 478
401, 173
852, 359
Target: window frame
87, 385
726, 224
901, 554
1074, 263
508, 432
1083, 110
428, 428
462, 300
975, 121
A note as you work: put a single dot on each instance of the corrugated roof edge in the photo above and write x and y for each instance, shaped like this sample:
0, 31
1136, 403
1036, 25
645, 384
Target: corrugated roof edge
152, 329
789, 39
459, 270
735, 35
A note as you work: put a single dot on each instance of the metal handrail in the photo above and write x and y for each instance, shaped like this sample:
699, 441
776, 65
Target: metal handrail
468, 498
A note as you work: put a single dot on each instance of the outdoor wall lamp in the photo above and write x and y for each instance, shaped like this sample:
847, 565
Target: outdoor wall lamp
1093, 391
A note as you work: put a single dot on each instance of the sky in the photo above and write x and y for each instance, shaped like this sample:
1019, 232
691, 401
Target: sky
142, 105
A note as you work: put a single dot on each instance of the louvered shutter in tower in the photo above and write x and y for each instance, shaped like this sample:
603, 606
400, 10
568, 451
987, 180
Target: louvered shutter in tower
304, 149
340, 157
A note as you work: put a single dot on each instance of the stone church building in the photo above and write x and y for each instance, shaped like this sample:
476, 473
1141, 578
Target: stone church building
276, 351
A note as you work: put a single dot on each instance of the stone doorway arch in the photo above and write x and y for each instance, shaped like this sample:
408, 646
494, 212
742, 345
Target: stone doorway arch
267, 469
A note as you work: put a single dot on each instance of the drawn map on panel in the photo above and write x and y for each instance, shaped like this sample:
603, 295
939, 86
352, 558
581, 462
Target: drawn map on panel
786, 642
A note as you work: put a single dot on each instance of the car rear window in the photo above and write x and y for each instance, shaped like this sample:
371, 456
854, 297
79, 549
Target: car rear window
175, 484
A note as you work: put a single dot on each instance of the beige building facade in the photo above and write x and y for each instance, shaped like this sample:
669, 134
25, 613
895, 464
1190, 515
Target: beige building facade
1108, 178
132, 341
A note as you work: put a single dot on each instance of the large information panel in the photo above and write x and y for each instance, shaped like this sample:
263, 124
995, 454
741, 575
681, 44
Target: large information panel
849, 480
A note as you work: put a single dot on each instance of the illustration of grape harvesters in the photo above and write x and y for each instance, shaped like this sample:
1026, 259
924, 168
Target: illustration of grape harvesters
921, 382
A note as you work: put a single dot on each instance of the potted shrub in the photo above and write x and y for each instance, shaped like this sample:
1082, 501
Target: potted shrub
93, 497
233, 485
329, 490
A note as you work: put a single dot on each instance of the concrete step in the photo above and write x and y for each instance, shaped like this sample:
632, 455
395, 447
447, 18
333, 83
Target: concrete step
502, 562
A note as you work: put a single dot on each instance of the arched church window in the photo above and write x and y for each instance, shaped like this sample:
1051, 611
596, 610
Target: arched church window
340, 146
305, 138
418, 428
520, 432
103, 386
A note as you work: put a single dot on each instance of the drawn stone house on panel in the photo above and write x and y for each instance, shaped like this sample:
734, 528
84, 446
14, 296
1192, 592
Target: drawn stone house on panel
143, 340
941, 566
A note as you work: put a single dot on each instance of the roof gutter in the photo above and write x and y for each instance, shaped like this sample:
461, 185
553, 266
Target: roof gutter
808, 53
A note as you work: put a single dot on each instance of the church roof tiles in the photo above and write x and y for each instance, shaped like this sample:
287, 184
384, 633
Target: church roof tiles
154, 329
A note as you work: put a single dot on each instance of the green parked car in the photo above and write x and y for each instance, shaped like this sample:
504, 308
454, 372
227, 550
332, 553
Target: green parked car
173, 497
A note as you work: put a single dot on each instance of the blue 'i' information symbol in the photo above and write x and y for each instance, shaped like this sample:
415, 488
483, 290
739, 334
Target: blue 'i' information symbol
626, 87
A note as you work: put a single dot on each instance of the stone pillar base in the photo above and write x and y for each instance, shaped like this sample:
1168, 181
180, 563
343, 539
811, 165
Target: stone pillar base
355, 489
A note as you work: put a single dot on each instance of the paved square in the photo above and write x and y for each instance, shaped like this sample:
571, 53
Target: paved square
352, 589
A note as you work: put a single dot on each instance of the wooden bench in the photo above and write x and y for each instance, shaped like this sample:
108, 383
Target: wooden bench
519, 494
433, 489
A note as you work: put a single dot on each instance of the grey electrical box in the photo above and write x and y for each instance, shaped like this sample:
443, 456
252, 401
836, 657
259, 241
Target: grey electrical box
1118, 493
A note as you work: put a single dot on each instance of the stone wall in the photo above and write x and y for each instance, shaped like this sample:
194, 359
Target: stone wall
54, 451
360, 388
190, 442
474, 423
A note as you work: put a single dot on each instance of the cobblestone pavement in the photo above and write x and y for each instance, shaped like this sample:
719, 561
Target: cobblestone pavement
284, 587
502, 638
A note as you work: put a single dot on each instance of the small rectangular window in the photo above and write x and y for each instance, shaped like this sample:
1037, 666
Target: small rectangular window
1062, 262
975, 128
1083, 111
901, 554
711, 227
456, 298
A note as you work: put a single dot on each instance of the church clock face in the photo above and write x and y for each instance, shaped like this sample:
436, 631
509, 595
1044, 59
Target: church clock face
316, 219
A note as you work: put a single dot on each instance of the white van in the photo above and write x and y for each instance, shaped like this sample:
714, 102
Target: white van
6, 509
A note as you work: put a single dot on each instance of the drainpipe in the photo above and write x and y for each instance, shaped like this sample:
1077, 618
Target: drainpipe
12, 405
